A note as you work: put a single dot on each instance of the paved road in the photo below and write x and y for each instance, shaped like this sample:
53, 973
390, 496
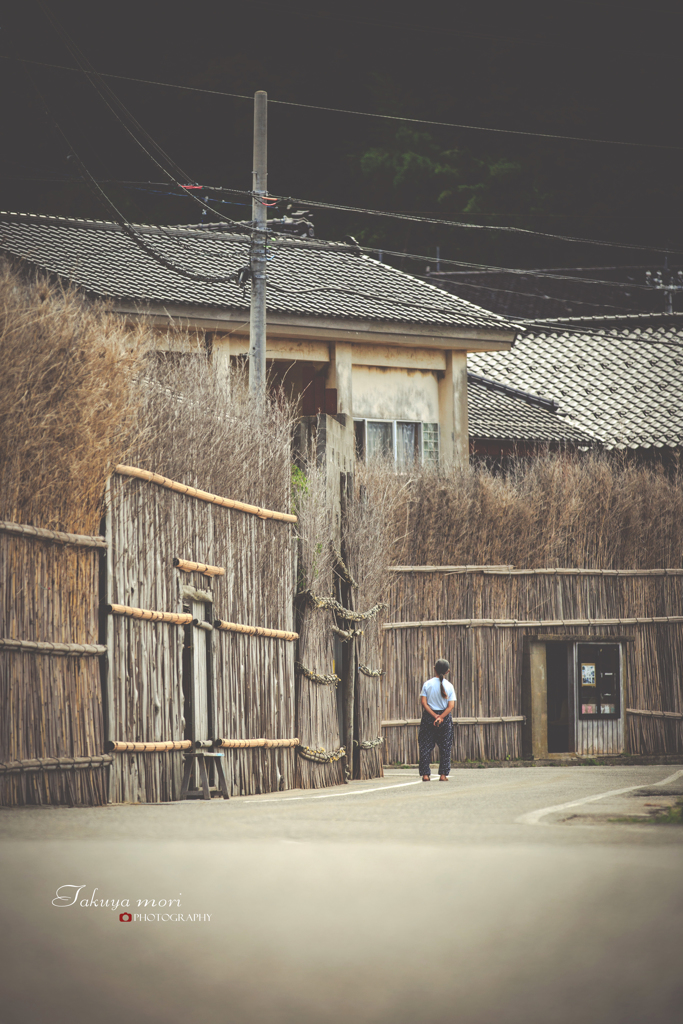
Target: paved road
387, 901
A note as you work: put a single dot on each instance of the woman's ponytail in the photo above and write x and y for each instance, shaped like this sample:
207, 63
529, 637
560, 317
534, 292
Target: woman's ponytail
441, 668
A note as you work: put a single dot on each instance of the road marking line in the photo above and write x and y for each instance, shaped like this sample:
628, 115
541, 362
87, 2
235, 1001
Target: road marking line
328, 796
533, 817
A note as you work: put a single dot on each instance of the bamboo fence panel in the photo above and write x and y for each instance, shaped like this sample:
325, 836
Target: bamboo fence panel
317, 703
487, 661
252, 676
51, 701
369, 696
254, 673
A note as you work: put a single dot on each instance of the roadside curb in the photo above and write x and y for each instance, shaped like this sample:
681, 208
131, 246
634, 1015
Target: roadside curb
621, 760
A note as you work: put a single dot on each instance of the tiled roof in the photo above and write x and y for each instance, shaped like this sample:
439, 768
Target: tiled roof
499, 413
304, 277
557, 292
622, 385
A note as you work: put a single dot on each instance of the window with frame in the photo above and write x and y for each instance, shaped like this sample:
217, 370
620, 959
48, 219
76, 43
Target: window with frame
403, 441
599, 680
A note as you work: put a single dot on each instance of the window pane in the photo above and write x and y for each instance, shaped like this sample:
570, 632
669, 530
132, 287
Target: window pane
359, 427
430, 443
406, 444
599, 683
379, 440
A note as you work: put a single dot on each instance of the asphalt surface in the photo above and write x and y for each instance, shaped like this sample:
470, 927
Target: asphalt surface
505, 895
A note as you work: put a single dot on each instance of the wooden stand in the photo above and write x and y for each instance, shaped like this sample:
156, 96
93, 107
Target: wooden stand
205, 792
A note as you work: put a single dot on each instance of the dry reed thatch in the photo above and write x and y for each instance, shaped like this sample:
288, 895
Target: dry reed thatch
66, 401
583, 511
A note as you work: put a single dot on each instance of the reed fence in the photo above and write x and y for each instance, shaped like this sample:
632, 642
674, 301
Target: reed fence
51, 729
244, 683
496, 608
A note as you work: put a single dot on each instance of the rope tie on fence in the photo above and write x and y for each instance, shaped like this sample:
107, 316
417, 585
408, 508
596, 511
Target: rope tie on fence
346, 635
321, 755
369, 744
342, 568
330, 680
373, 672
342, 612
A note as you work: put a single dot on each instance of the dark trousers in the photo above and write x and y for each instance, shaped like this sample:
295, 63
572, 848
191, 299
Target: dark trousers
431, 736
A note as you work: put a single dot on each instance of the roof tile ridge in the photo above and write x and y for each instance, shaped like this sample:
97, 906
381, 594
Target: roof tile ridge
55, 218
442, 291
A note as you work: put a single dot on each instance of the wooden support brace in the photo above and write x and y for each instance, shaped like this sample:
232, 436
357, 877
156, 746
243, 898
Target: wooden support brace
177, 619
205, 792
193, 492
206, 570
236, 627
153, 746
36, 764
533, 623
80, 540
46, 647
245, 743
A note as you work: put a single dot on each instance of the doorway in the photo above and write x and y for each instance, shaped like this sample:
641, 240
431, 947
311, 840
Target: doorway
560, 718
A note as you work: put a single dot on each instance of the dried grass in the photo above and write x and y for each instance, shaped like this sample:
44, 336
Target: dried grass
66, 403
573, 511
81, 390
197, 423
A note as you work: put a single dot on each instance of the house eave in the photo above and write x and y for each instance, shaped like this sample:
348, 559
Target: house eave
211, 318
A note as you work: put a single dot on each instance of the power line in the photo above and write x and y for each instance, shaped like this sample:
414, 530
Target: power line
113, 102
119, 217
358, 113
415, 218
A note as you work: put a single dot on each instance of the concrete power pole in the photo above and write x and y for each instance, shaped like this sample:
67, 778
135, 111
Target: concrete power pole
259, 213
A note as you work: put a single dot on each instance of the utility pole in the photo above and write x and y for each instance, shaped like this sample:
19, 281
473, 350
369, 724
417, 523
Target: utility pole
259, 215
666, 281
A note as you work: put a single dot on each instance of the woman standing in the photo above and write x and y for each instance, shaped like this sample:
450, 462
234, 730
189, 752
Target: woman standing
438, 700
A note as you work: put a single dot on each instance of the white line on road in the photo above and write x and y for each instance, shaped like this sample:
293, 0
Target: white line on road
328, 796
534, 817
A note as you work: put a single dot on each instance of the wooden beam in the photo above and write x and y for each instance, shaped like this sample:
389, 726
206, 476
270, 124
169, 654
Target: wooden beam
495, 720
150, 616
80, 540
654, 714
206, 570
193, 492
36, 764
534, 623
46, 647
236, 627
267, 743
151, 747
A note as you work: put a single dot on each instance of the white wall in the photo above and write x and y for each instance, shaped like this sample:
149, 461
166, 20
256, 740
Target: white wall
381, 393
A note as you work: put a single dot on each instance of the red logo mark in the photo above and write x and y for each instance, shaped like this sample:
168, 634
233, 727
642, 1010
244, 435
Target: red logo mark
125, 917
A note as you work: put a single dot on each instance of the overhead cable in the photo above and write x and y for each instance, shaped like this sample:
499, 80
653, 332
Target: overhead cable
120, 219
118, 108
359, 113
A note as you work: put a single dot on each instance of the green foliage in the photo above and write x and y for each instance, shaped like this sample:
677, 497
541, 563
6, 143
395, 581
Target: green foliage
299, 487
413, 171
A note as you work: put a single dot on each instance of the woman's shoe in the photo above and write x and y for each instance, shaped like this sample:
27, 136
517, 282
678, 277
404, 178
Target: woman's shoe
426, 778
443, 778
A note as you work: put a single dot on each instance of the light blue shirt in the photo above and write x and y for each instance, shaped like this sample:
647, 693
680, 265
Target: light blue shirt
432, 691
